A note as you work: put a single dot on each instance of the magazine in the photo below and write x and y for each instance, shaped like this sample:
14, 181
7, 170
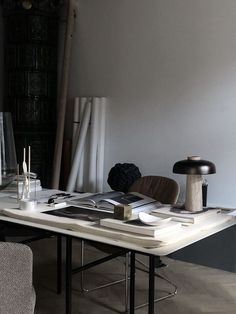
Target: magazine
109, 200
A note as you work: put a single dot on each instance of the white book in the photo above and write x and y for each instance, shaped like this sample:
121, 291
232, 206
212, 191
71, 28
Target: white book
136, 226
184, 215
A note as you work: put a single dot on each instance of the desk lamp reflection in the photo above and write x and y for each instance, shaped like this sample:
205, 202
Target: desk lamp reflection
194, 167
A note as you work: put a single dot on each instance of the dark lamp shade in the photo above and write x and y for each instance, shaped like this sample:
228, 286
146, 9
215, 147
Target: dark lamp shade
189, 166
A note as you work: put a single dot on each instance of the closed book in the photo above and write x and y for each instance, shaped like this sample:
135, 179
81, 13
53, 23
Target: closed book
136, 226
184, 215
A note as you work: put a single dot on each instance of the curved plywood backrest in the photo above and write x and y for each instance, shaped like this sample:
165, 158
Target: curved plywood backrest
163, 189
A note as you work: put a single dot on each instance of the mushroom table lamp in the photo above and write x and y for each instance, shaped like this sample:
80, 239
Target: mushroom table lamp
194, 167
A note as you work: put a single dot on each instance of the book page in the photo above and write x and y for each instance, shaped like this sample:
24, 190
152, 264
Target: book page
132, 199
92, 200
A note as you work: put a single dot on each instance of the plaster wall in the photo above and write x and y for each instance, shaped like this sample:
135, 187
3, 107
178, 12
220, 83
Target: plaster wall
169, 70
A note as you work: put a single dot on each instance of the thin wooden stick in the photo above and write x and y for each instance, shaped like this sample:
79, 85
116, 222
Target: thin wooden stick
63, 95
29, 159
17, 180
29, 167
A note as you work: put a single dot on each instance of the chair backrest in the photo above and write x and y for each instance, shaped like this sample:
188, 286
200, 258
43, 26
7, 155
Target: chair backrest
162, 189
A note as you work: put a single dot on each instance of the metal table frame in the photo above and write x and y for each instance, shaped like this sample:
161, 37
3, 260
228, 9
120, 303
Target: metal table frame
70, 272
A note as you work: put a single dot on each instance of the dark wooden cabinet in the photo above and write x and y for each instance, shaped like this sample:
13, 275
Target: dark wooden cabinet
30, 78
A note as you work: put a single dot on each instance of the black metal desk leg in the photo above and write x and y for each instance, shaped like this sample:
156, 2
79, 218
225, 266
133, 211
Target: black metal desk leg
151, 293
68, 273
132, 282
59, 262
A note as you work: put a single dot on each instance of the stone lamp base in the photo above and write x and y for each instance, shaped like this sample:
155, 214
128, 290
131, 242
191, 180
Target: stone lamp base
193, 199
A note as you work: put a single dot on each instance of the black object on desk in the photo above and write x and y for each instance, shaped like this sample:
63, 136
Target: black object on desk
204, 193
80, 213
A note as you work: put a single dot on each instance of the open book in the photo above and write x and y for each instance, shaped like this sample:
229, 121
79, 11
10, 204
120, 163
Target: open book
85, 214
109, 200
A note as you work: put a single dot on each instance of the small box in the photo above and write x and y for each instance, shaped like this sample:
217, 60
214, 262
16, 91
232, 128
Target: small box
122, 212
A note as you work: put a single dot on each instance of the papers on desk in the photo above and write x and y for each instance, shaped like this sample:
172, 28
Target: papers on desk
184, 215
77, 225
94, 228
44, 196
232, 213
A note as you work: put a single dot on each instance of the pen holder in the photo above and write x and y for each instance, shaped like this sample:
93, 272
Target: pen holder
122, 212
26, 191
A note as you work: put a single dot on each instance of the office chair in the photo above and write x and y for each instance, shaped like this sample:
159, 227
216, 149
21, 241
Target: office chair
164, 190
11, 232
17, 293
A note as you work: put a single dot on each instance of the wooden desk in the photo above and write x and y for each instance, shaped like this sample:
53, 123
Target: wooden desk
164, 250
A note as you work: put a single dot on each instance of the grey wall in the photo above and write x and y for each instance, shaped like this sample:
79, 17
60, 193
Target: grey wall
169, 70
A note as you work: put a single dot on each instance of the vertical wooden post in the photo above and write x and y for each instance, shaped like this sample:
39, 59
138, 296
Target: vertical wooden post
63, 95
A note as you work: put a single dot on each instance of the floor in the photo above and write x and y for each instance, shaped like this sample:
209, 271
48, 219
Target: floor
200, 289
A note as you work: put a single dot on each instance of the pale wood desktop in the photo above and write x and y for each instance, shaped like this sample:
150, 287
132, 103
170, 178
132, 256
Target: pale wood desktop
128, 247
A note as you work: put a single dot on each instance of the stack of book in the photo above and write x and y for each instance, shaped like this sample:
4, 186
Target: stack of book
136, 226
166, 228
185, 216
35, 185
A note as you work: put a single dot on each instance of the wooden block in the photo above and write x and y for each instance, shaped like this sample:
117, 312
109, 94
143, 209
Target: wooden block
122, 212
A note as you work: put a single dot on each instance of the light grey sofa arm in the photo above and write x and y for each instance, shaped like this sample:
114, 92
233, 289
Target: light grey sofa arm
17, 295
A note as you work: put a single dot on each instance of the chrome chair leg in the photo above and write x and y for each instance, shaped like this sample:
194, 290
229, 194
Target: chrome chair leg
82, 264
169, 295
126, 282
84, 289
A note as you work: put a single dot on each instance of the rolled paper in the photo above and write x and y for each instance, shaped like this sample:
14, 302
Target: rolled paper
79, 149
101, 144
92, 173
80, 175
75, 123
